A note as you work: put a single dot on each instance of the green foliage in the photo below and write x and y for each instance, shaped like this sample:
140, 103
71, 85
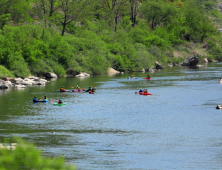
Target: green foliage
5, 72
26, 156
128, 35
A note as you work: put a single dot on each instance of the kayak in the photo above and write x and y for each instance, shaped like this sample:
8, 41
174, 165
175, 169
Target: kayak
57, 104
63, 91
90, 92
132, 77
44, 100
142, 93
77, 90
148, 78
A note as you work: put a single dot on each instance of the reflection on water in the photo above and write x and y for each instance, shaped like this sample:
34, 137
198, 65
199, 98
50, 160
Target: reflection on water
177, 127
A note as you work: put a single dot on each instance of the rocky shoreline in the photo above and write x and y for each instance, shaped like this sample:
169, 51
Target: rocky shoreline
7, 82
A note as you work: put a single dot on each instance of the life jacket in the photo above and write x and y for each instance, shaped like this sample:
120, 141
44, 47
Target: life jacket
62, 89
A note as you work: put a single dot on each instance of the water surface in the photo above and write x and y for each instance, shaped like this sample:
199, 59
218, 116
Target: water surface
178, 127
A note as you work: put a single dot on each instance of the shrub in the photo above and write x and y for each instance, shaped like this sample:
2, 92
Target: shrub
59, 70
26, 156
5, 72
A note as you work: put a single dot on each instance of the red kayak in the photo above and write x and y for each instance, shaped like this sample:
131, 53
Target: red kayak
142, 93
90, 92
148, 78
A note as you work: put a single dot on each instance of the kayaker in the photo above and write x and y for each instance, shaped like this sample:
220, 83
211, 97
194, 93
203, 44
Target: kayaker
140, 90
145, 91
77, 87
62, 89
148, 76
131, 76
60, 101
35, 100
90, 89
45, 98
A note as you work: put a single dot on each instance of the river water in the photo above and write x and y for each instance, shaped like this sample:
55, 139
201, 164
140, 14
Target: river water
178, 127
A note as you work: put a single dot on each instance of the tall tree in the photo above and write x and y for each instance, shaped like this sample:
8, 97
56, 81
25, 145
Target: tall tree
116, 9
72, 10
134, 6
158, 12
15, 10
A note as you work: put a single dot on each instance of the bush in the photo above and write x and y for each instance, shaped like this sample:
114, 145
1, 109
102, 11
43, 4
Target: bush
26, 156
59, 70
5, 72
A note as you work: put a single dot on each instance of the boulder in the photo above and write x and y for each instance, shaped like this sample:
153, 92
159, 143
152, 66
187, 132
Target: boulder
50, 75
4, 86
219, 107
27, 82
158, 66
205, 60
86, 74
39, 83
143, 70
8, 83
18, 80
170, 65
20, 86
81, 75
151, 69
122, 72
112, 71
220, 81
43, 80
190, 61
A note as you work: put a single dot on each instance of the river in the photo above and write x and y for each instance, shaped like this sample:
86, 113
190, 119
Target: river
178, 127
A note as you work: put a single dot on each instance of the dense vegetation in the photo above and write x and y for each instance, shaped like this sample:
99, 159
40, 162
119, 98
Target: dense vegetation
72, 36
26, 156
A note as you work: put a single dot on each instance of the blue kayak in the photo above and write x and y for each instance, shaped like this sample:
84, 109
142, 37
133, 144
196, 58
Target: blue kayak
132, 78
44, 100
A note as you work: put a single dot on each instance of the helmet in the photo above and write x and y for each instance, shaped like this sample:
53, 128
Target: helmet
62, 86
35, 97
77, 85
59, 99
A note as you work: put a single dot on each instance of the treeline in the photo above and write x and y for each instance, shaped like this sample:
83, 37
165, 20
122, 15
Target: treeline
70, 36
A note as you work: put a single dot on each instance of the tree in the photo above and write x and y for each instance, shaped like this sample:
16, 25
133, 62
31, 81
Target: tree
158, 12
116, 9
134, 5
15, 10
72, 10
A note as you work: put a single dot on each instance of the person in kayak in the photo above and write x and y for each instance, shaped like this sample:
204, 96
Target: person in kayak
35, 100
145, 91
77, 87
131, 76
148, 76
90, 89
60, 101
140, 90
45, 98
62, 89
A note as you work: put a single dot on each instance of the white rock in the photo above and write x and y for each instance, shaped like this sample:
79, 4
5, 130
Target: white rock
81, 75
43, 80
86, 74
20, 86
51, 75
4, 86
